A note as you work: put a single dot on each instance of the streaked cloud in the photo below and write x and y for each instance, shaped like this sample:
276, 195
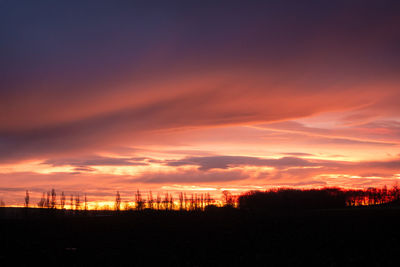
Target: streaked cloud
130, 95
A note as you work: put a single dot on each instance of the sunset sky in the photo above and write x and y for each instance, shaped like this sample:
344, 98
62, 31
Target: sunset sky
197, 96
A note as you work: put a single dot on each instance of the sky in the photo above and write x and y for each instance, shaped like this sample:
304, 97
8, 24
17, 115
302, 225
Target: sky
197, 96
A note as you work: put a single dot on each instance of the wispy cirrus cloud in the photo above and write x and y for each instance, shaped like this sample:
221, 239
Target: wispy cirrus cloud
82, 97
359, 135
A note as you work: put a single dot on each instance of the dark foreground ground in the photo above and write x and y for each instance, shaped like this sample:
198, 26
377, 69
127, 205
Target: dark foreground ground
349, 237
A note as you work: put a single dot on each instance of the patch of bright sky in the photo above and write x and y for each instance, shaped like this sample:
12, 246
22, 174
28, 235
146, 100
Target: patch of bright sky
326, 120
33, 166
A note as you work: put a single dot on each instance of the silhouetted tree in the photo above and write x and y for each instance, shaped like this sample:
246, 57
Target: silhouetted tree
42, 202
85, 203
27, 199
371, 195
77, 202
186, 201
395, 193
290, 199
196, 202
72, 202
150, 200
118, 201
180, 201
228, 199
171, 202
208, 199
166, 201
139, 200
201, 202
384, 195
48, 200
192, 202
53, 199
62, 200
158, 201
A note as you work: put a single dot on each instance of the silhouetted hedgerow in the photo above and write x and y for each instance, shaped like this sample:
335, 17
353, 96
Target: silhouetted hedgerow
326, 198
273, 199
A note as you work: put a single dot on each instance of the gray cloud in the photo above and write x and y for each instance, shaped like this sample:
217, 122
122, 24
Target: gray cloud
83, 169
297, 154
191, 177
303, 183
391, 164
224, 162
349, 141
96, 161
290, 167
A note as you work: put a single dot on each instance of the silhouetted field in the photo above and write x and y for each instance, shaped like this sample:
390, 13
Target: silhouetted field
352, 236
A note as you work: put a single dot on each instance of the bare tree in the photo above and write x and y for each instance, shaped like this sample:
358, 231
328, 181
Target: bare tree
186, 201
384, 195
166, 201
53, 199
171, 202
201, 201
158, 201
150, 200
72, 202
208, 200
228, 199
77, 203
118, 202
192, 202
180, 201
85, 203
196, 202
27, 199
62, 200
48, 200
139, 200
42, 202
395, 192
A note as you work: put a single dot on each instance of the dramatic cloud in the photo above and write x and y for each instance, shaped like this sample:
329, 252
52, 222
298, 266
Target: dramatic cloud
198, 92
83, 92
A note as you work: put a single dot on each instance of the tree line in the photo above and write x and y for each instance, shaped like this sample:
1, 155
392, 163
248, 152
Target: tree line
162, 201
167, 201
281, 198
289, 198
